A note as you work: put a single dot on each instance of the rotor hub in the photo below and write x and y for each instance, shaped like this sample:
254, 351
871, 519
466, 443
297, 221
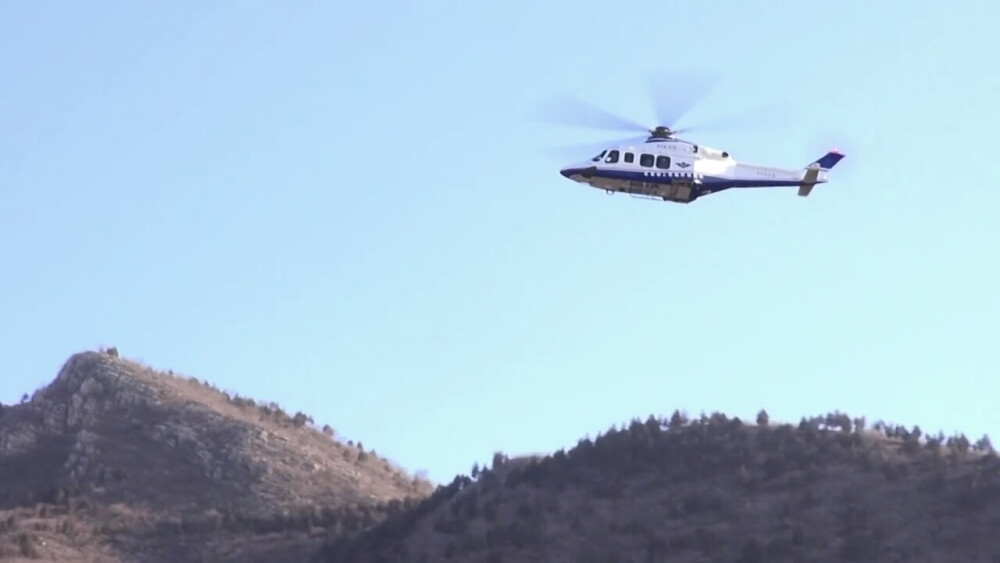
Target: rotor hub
662, 131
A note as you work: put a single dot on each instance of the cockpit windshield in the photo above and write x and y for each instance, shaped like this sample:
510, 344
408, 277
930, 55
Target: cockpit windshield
598, 157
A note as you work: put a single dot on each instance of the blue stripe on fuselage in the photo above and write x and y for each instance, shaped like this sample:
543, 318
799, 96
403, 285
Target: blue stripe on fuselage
715, 183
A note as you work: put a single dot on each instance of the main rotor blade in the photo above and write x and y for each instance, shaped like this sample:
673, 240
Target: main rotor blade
565, 110
579, 152
764, 116
674, 95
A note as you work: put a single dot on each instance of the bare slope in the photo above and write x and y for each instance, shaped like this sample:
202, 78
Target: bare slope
715, 489
138, 460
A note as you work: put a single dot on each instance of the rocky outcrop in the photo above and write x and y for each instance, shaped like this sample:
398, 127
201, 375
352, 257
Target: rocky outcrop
88, 385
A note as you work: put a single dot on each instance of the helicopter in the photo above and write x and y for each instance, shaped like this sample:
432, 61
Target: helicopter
661, 166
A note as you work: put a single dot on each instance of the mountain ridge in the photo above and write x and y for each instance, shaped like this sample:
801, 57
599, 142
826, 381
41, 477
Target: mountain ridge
115, 461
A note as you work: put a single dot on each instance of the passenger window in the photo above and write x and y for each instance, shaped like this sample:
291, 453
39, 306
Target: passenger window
663, 161
646, 160
612, 157
629, 157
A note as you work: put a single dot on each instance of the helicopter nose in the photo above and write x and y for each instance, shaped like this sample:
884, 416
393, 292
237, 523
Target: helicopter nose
572, 170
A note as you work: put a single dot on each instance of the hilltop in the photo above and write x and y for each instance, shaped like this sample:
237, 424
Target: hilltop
115, 460
712, 489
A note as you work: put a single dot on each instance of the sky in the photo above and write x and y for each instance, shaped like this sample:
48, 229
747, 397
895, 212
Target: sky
349, 209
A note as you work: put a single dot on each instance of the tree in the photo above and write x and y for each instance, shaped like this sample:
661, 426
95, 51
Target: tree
678, 420
962, 443
933, 444
499, 459
300, 419
838, 420
652, 426
982, 445
859, 424
762, 418
911, 443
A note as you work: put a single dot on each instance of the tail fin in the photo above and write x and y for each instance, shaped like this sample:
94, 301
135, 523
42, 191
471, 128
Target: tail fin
829, 160
811, 177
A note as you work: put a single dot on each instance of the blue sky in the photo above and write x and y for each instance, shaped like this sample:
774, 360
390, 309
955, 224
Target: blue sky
345, 208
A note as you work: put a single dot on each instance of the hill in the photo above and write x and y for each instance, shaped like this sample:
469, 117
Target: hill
712, 489
116, 461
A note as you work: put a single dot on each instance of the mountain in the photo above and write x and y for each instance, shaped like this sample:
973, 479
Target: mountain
711, 489
116, 461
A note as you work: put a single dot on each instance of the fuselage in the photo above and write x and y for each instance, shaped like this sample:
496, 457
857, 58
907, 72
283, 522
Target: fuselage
676, 170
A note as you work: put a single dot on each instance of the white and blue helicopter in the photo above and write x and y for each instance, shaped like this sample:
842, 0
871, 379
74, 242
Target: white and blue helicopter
663, 167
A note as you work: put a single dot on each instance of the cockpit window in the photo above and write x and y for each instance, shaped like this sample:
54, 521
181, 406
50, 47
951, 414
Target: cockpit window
598, 157
612, 157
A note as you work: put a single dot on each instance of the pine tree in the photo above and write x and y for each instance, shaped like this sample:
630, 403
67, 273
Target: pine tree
763, 418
